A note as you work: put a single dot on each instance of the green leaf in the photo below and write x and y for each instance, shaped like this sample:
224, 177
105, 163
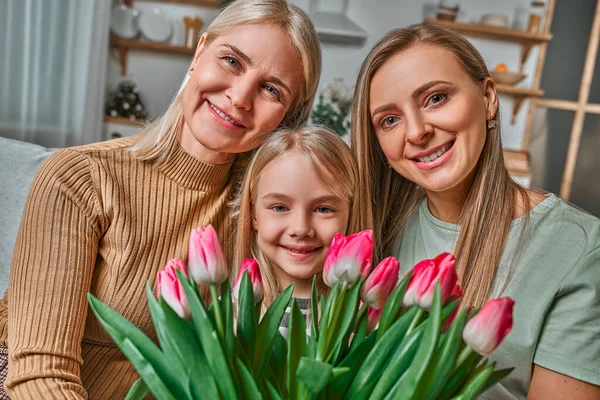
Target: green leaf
314, 310
227, 308
268, 328
247, 319
392, 307
361, 331
272, 392
145, 356
175, 334
209, 338
496, 377
377, 360
459, 376
399, 363
278, 358
444, 360
406, 386
343, 329
327, 305
137, 391
353, 361
296, 348
202, 382
475, 383
249, 387
314, 374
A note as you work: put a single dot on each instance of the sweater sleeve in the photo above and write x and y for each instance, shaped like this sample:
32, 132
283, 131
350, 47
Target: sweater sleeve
50, 276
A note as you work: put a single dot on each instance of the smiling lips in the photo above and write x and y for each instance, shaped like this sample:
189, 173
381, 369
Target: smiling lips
300, 252
432, 159
225, 118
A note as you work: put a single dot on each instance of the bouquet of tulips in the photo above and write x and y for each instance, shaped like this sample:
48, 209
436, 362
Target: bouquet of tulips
371, 337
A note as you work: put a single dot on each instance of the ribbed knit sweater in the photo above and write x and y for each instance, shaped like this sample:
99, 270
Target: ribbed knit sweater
97, 220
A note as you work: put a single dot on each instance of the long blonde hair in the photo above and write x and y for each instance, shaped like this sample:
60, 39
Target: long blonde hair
159, 138
331, 159
487, 213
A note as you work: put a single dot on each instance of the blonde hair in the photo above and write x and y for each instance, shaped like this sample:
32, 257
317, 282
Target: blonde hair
159, 138
331, 159
487, 213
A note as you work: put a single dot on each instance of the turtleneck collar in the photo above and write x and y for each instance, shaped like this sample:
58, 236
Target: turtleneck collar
194, 174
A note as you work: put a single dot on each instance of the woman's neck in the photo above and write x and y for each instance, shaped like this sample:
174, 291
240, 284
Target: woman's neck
192, 146
446, 206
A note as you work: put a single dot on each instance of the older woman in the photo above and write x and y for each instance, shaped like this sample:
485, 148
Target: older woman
104, 218
427, 137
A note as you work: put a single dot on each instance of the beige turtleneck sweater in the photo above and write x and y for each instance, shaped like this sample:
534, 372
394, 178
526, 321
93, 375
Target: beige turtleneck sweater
97, 220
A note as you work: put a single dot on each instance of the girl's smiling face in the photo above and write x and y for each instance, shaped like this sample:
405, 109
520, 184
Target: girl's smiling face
295, 217
430, 117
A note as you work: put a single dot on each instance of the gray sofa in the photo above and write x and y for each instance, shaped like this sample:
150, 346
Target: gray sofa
19, 161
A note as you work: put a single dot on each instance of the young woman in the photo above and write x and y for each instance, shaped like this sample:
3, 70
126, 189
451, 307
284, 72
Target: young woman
426, 136
104, 218
299, 190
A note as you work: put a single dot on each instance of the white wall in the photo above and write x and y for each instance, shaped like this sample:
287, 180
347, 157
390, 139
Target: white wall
158, 76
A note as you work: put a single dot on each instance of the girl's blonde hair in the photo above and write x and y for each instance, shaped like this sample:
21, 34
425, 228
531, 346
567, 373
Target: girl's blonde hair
486, 216
158, 139
331, 159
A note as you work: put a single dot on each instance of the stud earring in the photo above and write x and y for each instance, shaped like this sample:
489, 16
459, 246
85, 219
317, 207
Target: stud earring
191, 69
491, 124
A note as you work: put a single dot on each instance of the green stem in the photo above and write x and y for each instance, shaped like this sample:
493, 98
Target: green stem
217, 306
337, 304
464, 354
415, 321
360, 313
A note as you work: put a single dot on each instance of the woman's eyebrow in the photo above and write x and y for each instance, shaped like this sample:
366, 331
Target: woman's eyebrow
422, 89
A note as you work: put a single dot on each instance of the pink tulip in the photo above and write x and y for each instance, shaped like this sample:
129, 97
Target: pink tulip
380, 284
206, 258
251, 265
171, 290
373, 316
486, 330
348, 257
425, 275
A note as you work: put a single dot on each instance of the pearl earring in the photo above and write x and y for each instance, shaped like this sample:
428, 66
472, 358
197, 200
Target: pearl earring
491, 124
191, 69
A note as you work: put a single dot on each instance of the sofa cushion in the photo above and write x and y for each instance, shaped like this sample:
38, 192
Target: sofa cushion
19, 161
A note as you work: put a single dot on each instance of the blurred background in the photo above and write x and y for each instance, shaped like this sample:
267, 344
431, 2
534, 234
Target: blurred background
80, 71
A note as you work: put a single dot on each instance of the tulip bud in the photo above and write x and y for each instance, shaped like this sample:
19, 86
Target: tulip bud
486, 330
171, 290
206, 258
373, 316
426, 273
348, 257
251, 265
380, 283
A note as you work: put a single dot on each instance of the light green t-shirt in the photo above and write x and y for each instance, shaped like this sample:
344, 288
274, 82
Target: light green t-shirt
555, 284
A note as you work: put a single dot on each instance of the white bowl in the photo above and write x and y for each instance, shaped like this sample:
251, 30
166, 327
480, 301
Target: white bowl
123, 21
155, 26
498, 20
507, 77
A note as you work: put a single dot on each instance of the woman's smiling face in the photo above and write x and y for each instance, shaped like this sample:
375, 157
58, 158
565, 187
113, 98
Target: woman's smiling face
430, 117
240, 89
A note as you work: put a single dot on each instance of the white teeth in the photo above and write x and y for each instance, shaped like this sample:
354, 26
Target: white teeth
436, 154
223, 115
301, 251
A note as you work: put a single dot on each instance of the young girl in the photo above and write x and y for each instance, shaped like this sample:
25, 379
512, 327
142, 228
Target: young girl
297, 193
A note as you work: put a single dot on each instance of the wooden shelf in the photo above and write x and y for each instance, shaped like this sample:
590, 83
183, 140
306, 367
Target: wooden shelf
123, 121
517, 162
525, 39
124, 45
520, 94
205, 3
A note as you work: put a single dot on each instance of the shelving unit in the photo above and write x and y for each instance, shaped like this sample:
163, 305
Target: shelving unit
123, 121
520, 94
526, 39
124, 45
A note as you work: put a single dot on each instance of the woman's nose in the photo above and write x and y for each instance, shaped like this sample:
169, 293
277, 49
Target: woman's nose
241, 93
417, 128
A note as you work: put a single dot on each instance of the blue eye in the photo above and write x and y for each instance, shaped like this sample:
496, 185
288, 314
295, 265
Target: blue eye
324, 210
279, 208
